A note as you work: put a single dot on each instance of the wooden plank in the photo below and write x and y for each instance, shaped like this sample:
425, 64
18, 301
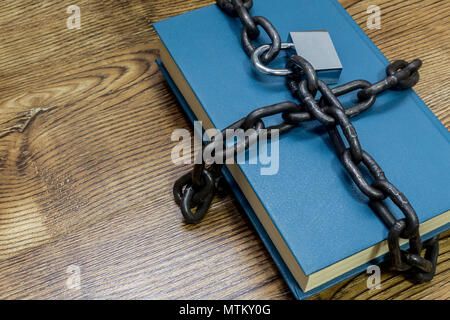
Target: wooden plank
85, 170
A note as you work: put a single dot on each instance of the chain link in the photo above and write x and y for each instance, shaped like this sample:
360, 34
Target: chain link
197, 189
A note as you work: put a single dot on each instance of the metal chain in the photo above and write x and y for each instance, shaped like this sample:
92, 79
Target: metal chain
197, 189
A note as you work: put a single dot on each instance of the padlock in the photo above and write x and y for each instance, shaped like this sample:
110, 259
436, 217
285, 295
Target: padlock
318, 48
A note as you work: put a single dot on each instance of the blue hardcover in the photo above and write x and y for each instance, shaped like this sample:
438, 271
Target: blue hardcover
321, 215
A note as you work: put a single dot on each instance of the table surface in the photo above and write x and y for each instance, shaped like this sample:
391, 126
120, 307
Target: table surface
85, 171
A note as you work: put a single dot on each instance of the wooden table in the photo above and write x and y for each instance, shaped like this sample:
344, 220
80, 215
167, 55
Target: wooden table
85, 170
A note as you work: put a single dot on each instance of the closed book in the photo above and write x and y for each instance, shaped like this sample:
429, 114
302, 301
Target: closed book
312, 218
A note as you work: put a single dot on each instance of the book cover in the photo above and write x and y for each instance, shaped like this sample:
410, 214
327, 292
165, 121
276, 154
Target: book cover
315, 218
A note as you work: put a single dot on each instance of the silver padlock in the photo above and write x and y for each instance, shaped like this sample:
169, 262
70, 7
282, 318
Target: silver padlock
318, 48
315, 46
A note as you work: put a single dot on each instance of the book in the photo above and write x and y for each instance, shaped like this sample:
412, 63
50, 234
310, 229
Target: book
314, 221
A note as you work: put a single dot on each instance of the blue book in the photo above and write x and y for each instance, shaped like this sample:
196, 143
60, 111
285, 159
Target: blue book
314, 221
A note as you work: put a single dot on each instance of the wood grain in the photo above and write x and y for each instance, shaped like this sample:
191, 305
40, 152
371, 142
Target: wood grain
85, 170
